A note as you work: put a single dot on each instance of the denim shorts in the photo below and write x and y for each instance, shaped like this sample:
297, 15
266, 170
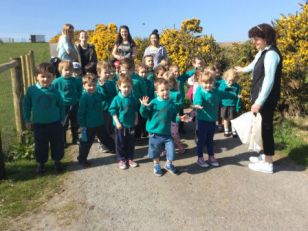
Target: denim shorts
159, 143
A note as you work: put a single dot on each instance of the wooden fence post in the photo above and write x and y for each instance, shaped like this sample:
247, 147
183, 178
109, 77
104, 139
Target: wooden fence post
32, 65
17, 90
2, 166
24, 73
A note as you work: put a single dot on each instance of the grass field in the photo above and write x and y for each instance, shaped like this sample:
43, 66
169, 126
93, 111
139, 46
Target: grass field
7, 51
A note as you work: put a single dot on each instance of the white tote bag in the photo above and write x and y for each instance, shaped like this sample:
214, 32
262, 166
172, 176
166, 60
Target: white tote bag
248, 128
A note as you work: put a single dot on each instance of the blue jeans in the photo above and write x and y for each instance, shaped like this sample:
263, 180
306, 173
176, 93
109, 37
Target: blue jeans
205, 134
159, 143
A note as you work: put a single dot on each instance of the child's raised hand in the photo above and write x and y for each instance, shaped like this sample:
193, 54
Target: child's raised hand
197, 106
185, 118
144, 101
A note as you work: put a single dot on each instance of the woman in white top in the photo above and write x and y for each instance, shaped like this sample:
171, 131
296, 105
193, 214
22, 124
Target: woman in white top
156, 50
66, 49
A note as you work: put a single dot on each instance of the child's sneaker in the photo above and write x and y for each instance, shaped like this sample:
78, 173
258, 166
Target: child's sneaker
122, 165
170, 168
102, 148
132, 164
157, 170
202, 163
213, 162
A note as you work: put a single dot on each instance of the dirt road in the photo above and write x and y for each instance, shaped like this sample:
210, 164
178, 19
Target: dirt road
230, 197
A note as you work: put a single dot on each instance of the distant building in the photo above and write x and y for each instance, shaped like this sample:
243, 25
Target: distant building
37, 38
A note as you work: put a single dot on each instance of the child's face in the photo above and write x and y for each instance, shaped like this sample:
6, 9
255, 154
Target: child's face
76, 72
207, 85
160, 74
163, 91
142, 72
66, 72
230, 80
148, 61
197, 64
175, 71
90, 87
83, 37
125, 89
123, 69
103, 75
45, 79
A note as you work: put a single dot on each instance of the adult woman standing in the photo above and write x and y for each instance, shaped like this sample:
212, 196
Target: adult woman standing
265, 90
125, 46
158, 52
87, 54
66, 49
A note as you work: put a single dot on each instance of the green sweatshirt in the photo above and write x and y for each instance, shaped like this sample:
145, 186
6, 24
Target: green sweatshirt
151, 76
149, 87
139, 86
210, 100
90, 111
177, 99
125, 108
235, 88
108, 91
159, 115
43, 105
70, 89
182, 81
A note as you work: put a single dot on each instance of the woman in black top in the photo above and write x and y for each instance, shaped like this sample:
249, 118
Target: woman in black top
86, 54
265, 89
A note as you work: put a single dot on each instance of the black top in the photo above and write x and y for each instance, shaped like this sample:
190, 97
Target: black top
258, 77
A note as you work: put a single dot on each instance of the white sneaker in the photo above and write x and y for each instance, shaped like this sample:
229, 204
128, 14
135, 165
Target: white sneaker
255, 159
261, 166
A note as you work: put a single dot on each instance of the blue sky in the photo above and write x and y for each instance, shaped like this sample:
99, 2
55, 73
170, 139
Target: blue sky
226, 20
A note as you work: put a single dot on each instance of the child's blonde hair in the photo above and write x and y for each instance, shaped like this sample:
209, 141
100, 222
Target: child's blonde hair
140, 66
66, 31
65, 64
160, 81
230, 73
102, 65
206, 76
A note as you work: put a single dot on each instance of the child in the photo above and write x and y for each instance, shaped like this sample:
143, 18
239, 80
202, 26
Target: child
43, 110
149, 87
108, 89
77, 72
230, 107
91, 120
70, 90
159, 114
175, 96
206, 101
159, 71
148, 61
123, 110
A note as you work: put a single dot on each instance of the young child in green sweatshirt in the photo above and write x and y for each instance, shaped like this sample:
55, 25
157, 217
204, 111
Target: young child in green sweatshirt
107, 88
91, 119
123, 110
159, 114
176, 97
206, 101
70, 89
43, 111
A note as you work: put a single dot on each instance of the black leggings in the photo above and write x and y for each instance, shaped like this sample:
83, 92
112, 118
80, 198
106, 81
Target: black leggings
267, 113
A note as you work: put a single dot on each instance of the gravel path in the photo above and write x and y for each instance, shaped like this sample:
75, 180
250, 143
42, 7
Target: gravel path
230, 197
